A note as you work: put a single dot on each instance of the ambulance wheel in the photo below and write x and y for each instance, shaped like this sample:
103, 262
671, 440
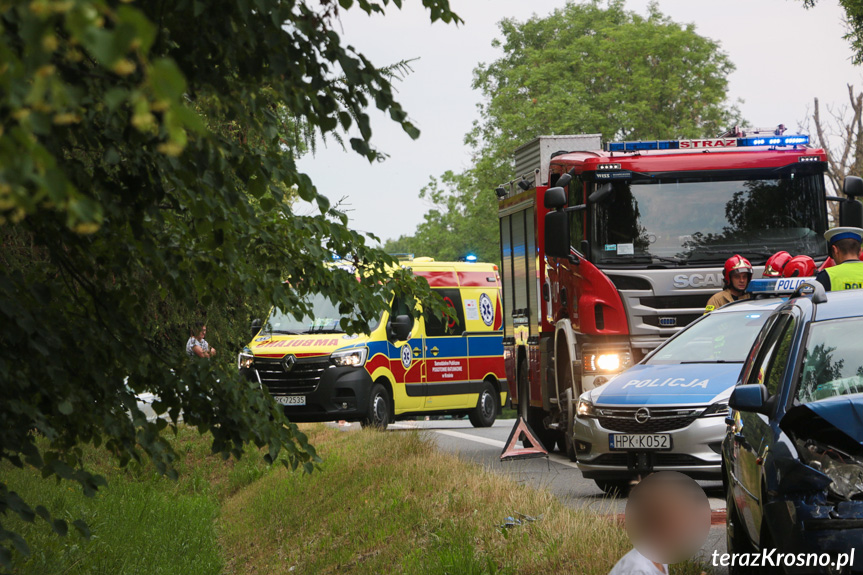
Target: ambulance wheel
613, 488
485, 412
378, 414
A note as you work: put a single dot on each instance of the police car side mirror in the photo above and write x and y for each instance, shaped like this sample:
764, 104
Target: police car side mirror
256, 326
750, 397
853, 187
399, 328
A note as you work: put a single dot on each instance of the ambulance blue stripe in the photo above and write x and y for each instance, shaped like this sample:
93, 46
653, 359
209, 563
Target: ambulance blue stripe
485, 345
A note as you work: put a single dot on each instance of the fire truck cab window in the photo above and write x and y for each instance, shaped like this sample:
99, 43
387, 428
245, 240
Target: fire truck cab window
576, 219
708, 219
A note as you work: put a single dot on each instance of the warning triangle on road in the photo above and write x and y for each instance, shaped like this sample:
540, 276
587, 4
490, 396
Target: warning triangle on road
520, 431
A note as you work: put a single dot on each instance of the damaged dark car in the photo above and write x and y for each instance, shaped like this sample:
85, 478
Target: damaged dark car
793, 454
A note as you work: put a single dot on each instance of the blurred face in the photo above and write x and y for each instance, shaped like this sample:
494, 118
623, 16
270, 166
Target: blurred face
667, 517
739, 280
202, 334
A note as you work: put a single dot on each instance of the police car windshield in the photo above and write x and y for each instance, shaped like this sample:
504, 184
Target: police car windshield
325, 318
832, 360
704, 220
718, 338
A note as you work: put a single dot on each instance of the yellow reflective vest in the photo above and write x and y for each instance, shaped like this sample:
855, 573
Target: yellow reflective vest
847, 275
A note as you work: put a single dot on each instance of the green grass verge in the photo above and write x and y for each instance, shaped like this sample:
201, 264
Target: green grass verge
383, 503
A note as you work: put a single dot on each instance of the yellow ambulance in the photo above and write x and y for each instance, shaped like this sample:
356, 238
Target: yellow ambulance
406, 366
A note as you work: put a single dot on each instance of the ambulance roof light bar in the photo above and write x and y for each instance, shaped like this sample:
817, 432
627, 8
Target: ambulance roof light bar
707, 144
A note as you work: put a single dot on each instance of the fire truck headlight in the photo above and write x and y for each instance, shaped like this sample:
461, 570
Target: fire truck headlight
608, 362
350, 357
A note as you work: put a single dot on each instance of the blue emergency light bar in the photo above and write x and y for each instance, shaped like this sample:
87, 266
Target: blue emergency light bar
707, 144
776, 286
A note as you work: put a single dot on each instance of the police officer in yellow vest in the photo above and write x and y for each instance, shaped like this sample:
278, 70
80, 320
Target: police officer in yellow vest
845, 251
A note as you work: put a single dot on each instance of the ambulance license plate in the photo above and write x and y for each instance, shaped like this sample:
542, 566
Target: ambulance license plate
658, 441
291, 399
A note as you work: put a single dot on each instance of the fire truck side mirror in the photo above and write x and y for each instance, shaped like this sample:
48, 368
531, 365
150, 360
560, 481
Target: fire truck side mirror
557, 234
555, 198
601, 194
853, 187
563, 181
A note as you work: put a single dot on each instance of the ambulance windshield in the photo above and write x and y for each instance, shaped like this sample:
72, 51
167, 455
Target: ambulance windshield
704, 220
718, 338
325, 318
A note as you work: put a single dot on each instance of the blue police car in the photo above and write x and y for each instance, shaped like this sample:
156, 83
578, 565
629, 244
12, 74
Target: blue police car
668, 412
793, 455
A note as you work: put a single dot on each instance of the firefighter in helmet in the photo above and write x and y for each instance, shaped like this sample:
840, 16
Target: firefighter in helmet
845, 251
799, 267
775, 264
737, 275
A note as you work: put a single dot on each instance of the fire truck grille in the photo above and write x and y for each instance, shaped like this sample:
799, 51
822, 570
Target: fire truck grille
623, 420
673, 320
675, 301
302, 377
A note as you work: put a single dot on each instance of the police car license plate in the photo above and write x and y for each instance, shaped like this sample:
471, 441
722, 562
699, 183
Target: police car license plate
291, 399
634, 441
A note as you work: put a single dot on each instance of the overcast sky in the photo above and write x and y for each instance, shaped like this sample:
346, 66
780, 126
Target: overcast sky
785, 56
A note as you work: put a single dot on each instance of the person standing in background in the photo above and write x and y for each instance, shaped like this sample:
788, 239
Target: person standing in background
197, 345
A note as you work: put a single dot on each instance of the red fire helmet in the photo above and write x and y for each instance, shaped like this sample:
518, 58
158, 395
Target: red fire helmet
775, 264
736, 263
799, 267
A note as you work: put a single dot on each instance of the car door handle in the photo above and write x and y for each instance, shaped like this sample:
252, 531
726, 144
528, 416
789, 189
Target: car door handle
741, 439
417, 351
435, 351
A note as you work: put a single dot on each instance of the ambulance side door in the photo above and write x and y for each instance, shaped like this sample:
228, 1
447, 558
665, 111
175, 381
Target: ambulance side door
407, 363
446, 357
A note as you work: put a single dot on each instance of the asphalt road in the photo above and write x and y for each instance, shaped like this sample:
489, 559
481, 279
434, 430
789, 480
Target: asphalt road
556, 473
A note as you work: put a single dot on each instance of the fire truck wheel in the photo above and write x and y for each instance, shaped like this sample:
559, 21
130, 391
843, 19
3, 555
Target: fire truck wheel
485, 412
378, 414
618, 488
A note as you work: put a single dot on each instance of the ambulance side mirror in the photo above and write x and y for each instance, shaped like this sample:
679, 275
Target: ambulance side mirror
256, 326
399, 328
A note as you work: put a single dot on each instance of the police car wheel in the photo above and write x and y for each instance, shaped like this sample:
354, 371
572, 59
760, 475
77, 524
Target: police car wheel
613, 488
378, 414
485, 412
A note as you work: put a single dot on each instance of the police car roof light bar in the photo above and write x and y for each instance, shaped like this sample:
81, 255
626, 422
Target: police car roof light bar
751, 141
776, 286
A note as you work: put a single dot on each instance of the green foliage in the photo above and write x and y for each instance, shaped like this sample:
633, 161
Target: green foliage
854, 19
146, 180
592, 67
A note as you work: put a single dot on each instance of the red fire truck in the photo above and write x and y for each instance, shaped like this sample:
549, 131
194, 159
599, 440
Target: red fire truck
606, 252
